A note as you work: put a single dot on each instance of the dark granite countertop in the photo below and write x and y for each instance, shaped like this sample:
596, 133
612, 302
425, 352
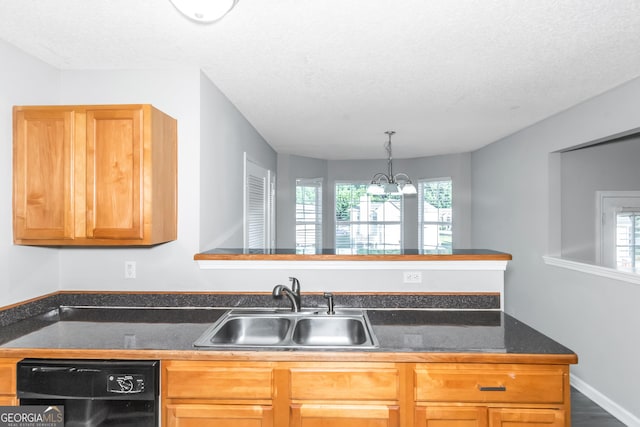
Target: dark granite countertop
175, 329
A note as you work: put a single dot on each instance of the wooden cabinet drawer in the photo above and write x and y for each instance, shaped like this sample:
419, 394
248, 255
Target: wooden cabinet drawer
486, 383
345, 384
217, 381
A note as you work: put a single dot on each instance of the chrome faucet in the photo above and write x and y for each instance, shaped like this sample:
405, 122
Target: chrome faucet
330, 306
292, 294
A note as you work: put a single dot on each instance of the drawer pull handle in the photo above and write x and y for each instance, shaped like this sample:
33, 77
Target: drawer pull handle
499, 388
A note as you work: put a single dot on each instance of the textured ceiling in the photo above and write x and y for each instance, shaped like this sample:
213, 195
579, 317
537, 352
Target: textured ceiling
326, 78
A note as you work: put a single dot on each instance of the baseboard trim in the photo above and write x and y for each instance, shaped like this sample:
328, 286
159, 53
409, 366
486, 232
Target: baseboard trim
607, 404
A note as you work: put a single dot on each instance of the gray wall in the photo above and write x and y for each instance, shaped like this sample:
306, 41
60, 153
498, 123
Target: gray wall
24, 272
612, 166
516, 209
456, 166
225, 136
290, 168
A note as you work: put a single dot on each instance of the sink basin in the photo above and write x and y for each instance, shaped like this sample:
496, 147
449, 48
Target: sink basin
239, 328
330, 331
252, 331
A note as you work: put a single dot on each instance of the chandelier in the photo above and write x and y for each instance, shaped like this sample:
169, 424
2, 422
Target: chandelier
388, 183
204, 11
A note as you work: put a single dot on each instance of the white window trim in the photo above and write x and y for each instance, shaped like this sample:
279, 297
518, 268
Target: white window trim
605, 241
318, 183
420, 207
357, 182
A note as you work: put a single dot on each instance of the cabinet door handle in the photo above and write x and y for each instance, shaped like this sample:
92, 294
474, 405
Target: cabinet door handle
498, 388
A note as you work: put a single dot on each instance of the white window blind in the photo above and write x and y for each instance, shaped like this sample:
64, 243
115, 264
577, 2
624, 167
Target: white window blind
258, 207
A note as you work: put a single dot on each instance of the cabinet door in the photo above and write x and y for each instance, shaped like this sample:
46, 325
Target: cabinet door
205, 415
42, 174
451, 417
333, 415
114, 174
8, 382
8, 401
515, 417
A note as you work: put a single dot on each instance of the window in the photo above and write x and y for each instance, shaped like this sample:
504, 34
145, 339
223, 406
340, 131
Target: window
628, 239
309, 216
259, 218
618, 229
367, 224
435, 214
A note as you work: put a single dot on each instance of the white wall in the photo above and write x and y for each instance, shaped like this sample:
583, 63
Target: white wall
512, 188
24, 272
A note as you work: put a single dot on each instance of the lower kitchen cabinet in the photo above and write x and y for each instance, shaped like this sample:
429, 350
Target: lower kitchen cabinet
220, 394
519, 417
363, 415
483, 417
364, 394
8, 382
451, 416
212, 415
491, 395
339, 394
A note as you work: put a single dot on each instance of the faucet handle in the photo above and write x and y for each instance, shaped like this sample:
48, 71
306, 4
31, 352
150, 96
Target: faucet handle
295, 284
329, 297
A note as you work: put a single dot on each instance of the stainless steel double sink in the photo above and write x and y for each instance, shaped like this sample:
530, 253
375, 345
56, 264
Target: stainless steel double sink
286, 329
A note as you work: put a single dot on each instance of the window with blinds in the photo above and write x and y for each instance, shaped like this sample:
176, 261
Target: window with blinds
367, 224
435, 215
309, 216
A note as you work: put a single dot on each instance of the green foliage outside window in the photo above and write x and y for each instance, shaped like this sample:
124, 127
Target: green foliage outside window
438, 194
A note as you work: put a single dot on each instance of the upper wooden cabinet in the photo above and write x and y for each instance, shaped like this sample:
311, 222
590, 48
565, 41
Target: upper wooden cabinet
94, 175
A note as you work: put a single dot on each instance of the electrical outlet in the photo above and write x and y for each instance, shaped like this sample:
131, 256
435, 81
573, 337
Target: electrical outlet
129, 269
412, 277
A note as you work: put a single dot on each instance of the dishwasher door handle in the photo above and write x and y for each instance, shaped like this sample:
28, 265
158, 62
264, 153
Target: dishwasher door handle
61, 369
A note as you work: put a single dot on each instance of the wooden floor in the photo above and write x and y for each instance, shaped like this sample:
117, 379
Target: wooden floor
585, 413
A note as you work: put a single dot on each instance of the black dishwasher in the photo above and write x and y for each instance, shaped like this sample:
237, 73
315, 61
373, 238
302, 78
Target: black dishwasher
94, 393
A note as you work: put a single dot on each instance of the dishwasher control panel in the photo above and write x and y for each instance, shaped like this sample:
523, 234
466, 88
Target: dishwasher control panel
125, 383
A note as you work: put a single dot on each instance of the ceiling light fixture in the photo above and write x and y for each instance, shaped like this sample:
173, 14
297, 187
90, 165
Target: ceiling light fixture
388, 183
204, 11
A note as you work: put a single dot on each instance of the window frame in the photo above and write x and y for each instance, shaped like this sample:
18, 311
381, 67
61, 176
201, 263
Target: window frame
317, 221
608, 205
353, 247
422, 222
